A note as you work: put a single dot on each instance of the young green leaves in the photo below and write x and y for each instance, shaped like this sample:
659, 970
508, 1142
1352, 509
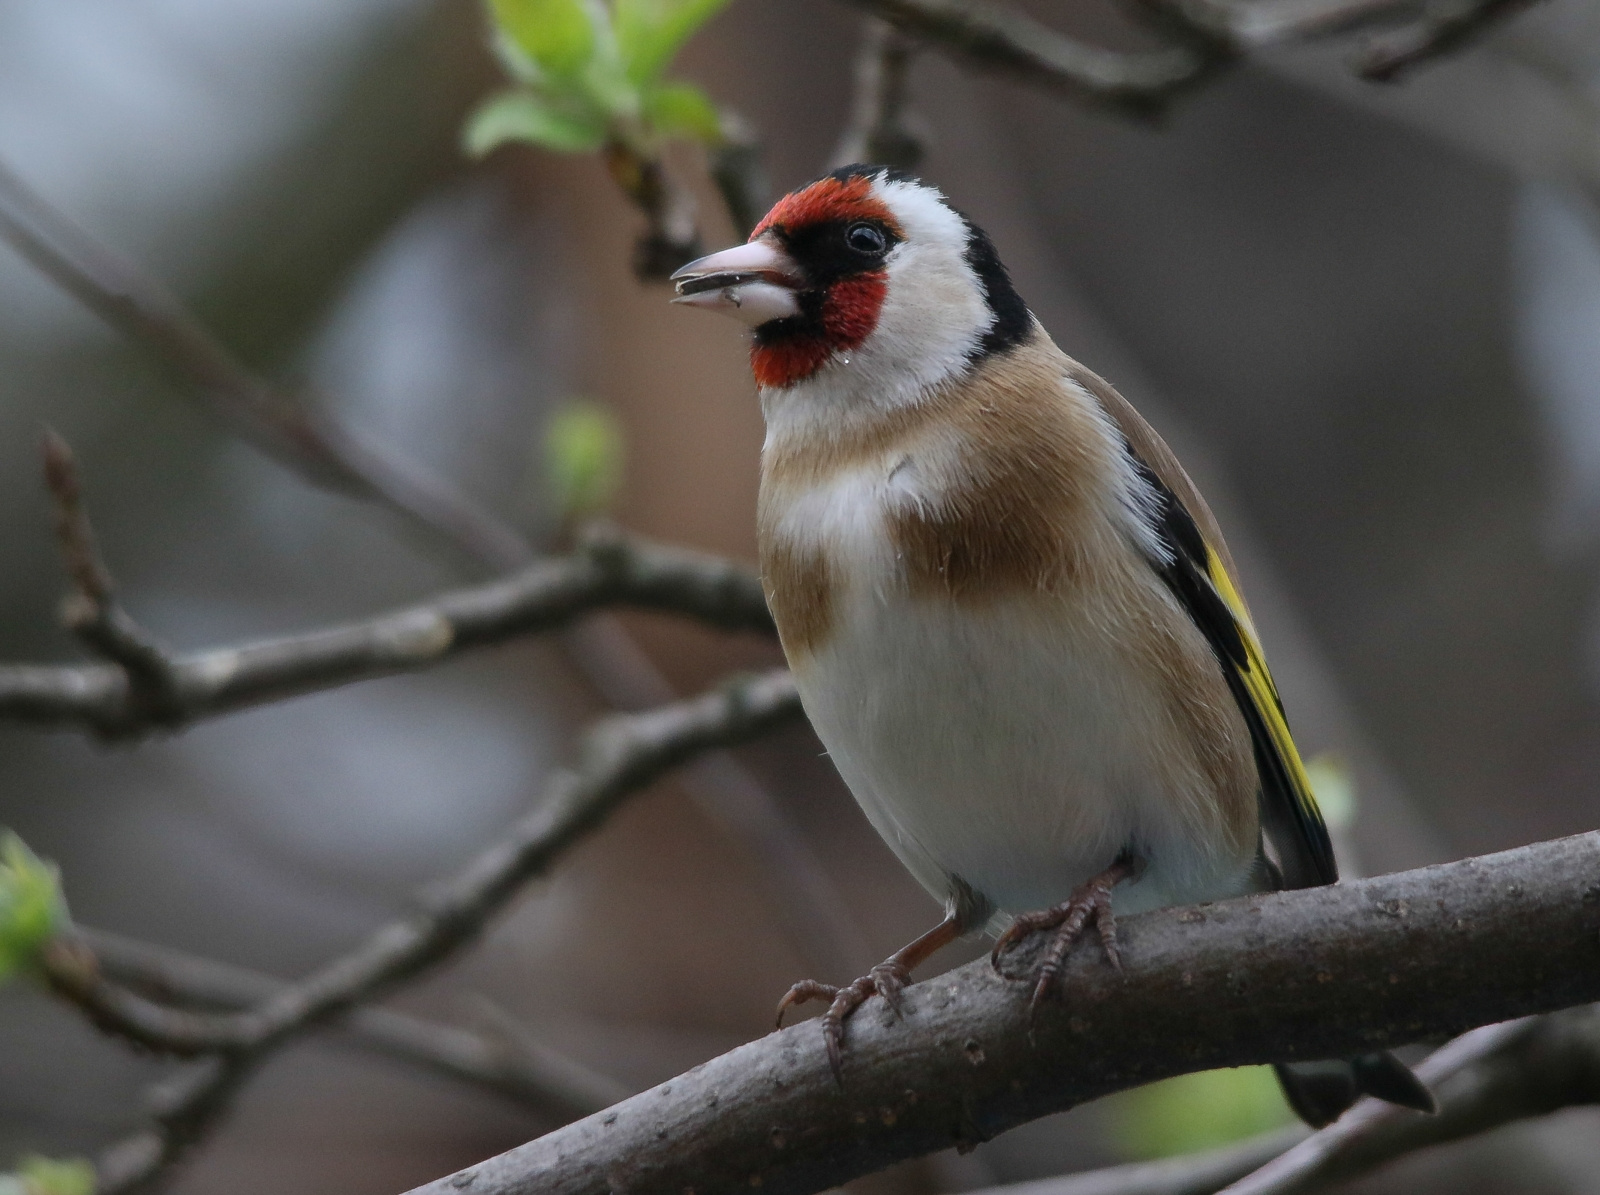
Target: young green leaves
588, 73
583, 447
47, 1176
32, 910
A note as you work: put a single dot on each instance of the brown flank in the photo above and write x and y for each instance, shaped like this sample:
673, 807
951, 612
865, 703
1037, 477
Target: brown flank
1034, 464
799, 589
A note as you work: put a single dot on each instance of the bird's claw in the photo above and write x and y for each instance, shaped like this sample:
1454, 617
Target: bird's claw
1068, 920
887, 979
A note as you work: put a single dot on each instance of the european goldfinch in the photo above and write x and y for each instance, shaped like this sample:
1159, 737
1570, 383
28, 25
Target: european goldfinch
1012, 618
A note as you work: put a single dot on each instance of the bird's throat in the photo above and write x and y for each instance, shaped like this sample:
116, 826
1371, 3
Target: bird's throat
790, 350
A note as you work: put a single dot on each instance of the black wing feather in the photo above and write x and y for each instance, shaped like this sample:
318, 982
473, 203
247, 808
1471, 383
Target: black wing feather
1197, 578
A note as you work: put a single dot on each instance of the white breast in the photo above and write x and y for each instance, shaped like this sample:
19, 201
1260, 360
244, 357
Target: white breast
1014, 745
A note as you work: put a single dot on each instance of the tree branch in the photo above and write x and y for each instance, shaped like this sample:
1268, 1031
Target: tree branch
607, 569
620, 756
1483, 1079
738, 168
315, 447
90, 609
1261, 24
1317, 973
671, 237
215, 682
1004, 41
1203, 1173
522, 1071
545, 594
1202, 37
184, 1111
877, 131
1390, 57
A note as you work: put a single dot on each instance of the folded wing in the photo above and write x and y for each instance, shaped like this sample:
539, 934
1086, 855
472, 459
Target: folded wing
1200, 575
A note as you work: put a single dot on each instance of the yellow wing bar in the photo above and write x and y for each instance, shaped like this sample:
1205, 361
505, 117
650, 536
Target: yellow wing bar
1262, 694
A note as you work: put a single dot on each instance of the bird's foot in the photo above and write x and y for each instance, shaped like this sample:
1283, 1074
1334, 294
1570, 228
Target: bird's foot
887, 979
1091, 902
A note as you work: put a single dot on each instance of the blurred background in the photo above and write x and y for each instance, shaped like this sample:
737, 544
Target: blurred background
1367, 317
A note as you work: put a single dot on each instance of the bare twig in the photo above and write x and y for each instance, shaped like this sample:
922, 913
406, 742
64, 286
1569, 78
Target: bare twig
1203, 1173
608, 569
739, 170
1318, 973
999, 39
801, 893
312, 445
670, 238
527, 1072
1390, 57
1484, 1078
1203, 37
1260, 24
90, 609
544, 595
878, 131
186, 1109
621, 755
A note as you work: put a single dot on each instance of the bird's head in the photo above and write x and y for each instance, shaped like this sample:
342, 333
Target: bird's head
865, 280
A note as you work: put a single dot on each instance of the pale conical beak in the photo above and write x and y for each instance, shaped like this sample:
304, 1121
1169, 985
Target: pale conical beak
754, 283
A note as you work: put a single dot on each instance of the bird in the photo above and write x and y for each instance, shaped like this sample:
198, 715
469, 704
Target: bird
1012, 618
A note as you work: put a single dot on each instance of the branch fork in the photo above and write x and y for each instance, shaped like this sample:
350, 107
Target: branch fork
90, 609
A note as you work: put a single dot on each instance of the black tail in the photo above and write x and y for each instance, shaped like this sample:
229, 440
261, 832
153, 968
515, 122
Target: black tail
1319, 1092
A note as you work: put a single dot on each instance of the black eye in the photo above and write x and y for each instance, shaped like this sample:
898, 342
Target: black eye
865, 238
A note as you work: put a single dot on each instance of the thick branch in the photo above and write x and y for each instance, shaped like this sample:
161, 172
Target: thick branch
621, 755
1324, 972
609, 569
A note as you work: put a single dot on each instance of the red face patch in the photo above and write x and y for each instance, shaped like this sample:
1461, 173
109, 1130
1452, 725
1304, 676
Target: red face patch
849, 306
849, 314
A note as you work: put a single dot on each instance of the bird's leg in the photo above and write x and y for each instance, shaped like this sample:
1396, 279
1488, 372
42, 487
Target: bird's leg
886, 979
1092, 900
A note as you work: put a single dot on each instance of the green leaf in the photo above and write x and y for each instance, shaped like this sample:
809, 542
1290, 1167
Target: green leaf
583, 458
525, 116
651, 32
32, 910
48, 1176
559, 35
1198, 1111
681, 109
